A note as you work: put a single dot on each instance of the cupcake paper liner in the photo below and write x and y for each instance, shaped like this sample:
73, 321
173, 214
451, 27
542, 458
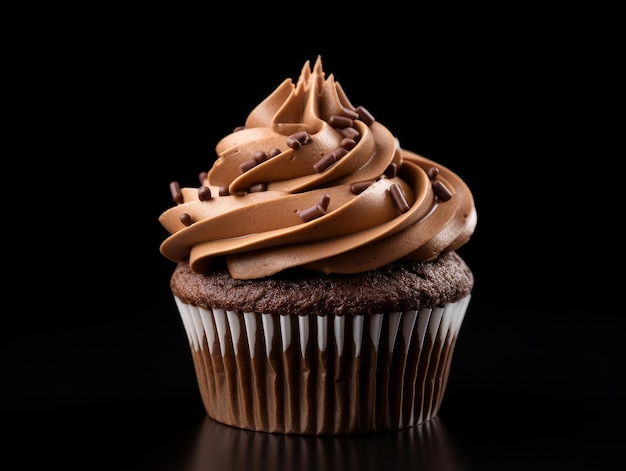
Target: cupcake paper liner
319, 374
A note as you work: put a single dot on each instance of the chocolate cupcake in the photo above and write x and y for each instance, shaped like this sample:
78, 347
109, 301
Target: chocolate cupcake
316, 269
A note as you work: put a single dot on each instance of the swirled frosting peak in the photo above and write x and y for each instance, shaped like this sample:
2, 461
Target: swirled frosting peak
312, 181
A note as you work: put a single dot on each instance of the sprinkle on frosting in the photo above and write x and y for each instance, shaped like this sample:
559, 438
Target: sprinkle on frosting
324, 200
350, 113
392, 170
247, 165
337, 121
204, 193
224, 190
347, 143
365, 115
325, 162
258, 187
298, 139
316, 210
312, 212
330, 159
350, 133
398, 198
260, 156
359, 187
177, 196
441, 190
185, 218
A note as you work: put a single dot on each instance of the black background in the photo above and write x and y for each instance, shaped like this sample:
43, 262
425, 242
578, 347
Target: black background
95, 364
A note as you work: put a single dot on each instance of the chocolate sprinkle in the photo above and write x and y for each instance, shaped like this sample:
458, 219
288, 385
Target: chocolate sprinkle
312, 212
185, 218
177, 196
204, 193
325, 162
297, 139
348, 143
339, 152
359, 187
260, 156
351, 114
441, 190
350, 133
330, 159
337, 121
365, 115
324, 200
224, 190
247, 165
202, 176
274, 152
239, 128
293, 143
392, 170
432, 172
258, 187
398, 198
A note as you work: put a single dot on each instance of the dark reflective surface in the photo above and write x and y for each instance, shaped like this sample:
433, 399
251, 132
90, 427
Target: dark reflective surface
503, 433
423, 447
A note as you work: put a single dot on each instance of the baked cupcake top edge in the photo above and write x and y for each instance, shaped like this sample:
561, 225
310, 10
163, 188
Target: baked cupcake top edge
397, 287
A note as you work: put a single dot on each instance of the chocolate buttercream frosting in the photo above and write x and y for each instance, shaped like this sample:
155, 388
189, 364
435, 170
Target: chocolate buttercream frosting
312, 181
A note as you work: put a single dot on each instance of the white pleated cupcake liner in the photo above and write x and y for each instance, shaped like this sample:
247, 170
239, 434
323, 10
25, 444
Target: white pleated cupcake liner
322, 374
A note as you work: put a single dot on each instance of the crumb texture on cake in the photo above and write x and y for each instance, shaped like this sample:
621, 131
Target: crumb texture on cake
399, 286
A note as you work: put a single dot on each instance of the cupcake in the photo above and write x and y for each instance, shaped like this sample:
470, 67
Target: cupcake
316, 270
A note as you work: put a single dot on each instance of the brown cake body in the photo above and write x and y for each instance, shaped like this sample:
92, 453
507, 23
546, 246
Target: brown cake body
400, 286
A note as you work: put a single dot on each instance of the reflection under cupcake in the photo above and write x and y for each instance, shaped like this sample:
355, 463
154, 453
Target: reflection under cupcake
427, 446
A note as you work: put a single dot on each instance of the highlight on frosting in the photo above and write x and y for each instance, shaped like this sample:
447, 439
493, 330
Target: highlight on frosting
315, 182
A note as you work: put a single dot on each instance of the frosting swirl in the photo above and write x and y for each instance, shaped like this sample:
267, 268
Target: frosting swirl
312, 181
